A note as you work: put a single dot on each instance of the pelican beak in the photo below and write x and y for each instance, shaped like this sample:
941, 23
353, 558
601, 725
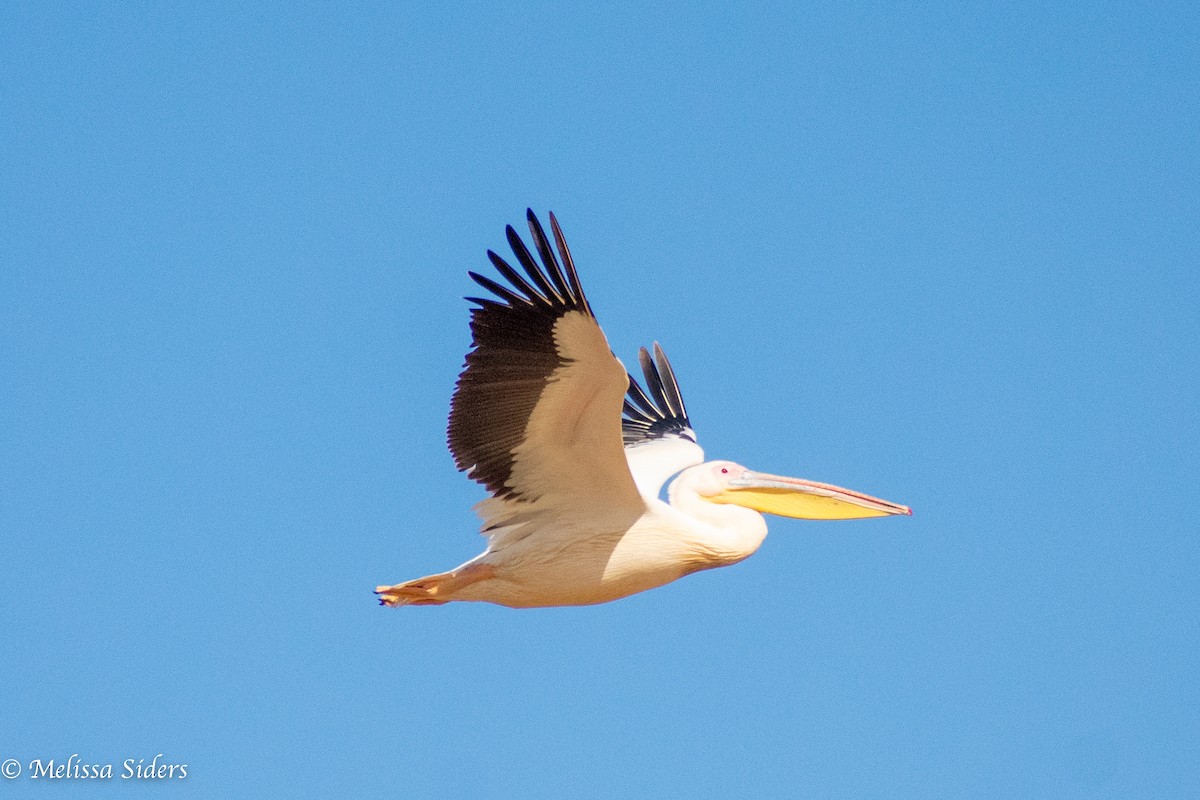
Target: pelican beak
793, 497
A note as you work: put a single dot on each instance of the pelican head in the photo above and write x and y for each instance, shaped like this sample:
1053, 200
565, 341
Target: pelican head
727, 483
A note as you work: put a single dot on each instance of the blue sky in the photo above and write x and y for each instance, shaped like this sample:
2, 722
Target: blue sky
947, 257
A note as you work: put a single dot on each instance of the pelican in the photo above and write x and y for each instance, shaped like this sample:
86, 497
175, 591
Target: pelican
574, 453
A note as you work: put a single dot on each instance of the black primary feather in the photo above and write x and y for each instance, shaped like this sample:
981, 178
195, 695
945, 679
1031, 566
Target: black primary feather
661, 412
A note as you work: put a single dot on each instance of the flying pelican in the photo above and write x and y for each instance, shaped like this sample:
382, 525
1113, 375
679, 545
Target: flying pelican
574, 453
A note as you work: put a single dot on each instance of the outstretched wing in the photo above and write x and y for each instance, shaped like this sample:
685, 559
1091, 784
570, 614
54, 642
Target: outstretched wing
659, 414
536, 415
658, 436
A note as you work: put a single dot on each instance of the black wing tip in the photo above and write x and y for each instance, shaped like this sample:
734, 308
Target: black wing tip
657, 411
532, 219
514, 240
548, 283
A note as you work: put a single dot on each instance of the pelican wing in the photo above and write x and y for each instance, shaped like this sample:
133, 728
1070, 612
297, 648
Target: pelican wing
536, 415
660, 413
658, 436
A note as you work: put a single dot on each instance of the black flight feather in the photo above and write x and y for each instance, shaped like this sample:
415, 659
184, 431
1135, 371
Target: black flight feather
661, 412
569, 264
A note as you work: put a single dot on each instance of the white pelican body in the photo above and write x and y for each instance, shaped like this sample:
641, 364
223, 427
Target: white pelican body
541, 418
609, 556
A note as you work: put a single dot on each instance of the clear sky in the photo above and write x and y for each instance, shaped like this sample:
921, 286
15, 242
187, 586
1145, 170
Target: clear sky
946, 257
